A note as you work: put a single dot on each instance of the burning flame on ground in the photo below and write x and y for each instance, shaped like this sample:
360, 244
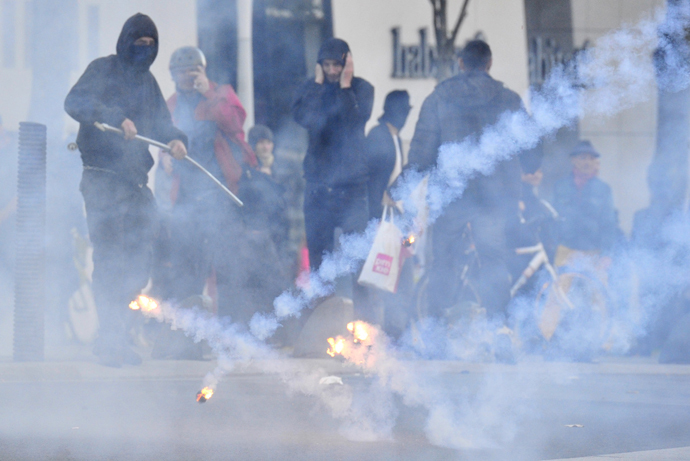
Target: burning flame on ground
144, 303
347, 347
337, 346
358, 330
204, 394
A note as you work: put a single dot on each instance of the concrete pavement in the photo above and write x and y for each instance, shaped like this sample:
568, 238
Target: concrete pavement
671, 454
80, 410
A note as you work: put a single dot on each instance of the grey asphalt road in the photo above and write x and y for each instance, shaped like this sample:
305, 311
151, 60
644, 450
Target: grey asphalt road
89, 414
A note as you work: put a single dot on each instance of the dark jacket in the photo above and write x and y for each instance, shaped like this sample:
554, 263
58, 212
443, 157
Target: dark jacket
112, 89
335, 119
536, 223
380, 149
460, 108
588, 218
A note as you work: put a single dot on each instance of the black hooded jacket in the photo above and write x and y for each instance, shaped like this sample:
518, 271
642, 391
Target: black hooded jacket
335, 119
117, 87
460, 108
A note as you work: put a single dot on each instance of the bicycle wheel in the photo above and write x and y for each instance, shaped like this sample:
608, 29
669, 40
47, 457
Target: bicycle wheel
465, 300
572, 314
420, 298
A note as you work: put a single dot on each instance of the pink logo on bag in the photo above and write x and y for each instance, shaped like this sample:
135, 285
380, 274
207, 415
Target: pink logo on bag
382, 264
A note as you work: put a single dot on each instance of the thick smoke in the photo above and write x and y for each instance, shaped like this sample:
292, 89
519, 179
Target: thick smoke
617, 73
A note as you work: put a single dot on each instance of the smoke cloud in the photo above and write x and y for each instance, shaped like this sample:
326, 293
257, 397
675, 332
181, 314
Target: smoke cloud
615, 74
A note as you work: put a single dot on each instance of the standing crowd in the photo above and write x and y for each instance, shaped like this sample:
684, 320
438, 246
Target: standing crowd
200, 240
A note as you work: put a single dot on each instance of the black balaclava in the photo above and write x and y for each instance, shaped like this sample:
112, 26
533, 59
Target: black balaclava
396, 108
138, 57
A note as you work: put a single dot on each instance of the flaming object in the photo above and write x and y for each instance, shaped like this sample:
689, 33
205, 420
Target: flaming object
358, 330
408, 241
336, 346
143, 303
350, 347
204, 394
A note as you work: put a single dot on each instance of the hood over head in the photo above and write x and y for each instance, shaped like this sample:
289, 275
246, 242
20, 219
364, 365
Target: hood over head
258, 133
138, 57
334, 48
396, 108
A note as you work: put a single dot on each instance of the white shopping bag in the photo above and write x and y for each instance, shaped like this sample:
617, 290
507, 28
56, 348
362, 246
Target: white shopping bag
382, 267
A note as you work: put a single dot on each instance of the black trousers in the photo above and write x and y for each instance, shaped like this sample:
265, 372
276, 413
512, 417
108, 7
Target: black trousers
327, 208
121, 218
489, 236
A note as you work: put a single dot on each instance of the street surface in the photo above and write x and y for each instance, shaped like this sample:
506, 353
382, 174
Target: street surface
82, 411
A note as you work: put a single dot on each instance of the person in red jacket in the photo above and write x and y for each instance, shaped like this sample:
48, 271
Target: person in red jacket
206, 231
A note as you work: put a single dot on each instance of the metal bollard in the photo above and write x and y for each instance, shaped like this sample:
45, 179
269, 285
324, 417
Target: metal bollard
29, 272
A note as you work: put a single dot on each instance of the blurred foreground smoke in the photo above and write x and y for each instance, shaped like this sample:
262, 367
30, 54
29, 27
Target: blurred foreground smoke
29, 287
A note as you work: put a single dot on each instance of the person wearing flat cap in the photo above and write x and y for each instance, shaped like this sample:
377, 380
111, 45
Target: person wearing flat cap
334, 107
120, 209
588, 218
207, 231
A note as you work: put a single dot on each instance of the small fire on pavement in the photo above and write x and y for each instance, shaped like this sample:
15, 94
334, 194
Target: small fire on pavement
143, 303
204, 394
349, 346
358, 330
336, 346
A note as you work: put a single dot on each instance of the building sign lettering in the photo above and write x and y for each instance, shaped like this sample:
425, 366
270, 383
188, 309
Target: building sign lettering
415, 61
545, 54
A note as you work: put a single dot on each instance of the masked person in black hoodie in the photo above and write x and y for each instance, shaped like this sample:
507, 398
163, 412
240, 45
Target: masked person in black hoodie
120, 210
459, 109
386, 157
334, 107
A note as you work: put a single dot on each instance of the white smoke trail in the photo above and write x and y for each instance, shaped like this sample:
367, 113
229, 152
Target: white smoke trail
615, 74
237, 349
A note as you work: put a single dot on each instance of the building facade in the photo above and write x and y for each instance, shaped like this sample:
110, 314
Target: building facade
45, 48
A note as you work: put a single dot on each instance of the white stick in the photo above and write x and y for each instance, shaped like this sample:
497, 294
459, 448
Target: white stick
165, 147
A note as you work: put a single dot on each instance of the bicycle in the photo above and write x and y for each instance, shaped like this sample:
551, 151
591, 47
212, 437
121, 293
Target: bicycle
568, 313
570, 307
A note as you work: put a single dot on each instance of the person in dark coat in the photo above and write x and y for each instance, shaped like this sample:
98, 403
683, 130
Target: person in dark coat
334, 108
121, 91
536, 219
261, 139
461, 108
589, 221
385, 154
386, 158
270, 212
